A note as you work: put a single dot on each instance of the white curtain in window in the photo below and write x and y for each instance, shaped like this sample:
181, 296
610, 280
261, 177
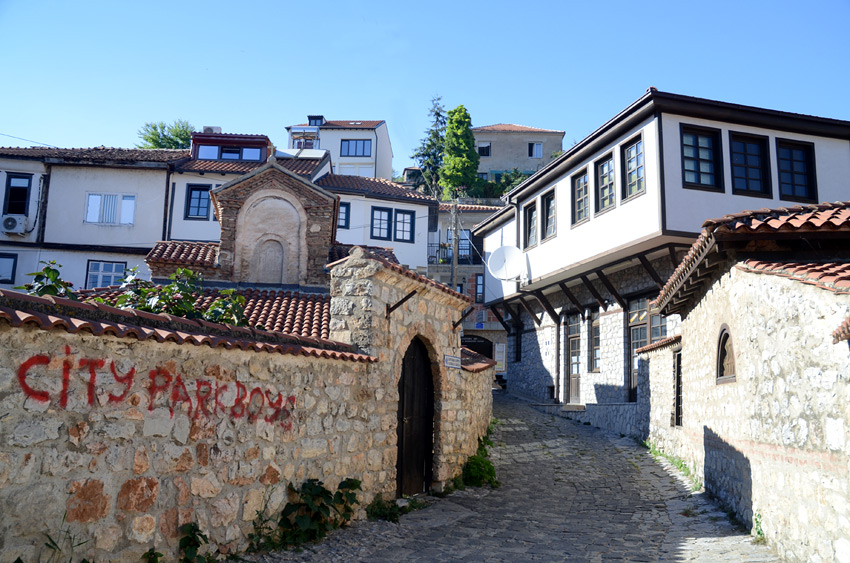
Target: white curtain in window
128, 209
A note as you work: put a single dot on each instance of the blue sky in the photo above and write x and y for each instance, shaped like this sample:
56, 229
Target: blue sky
90, 73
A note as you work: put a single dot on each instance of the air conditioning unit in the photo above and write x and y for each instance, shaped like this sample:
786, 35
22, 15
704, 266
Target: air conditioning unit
14, 224
211, 129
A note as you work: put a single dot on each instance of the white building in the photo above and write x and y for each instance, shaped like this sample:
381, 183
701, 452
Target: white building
603, 225
357, 147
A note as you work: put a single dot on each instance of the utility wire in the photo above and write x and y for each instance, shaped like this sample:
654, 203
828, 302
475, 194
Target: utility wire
29, 140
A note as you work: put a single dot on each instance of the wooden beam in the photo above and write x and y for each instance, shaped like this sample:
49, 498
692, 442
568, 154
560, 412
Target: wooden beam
529, 311
463, 316
500, 319
572, 299
547, 306
514, 314
673, 259
610, 287
651, 271
593, 291
400, 302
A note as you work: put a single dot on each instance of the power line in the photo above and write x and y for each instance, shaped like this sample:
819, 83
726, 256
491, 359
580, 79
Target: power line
29, 140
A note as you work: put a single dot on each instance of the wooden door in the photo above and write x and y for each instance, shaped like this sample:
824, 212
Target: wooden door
415, 421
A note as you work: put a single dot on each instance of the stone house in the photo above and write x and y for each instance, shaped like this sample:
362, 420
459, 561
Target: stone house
753, 394
599, 229
504, 147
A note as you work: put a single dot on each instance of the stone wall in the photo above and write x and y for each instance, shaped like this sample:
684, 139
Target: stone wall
776, 440
132, 438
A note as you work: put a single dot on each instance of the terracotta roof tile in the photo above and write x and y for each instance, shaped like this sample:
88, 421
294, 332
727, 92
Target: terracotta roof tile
223, 166
465, 207
795, 220
184, 253
377, 187
512, 128
13, 310
669, 341
842, 332
347, 124
301, 166
833, 276
473, 361
98, 154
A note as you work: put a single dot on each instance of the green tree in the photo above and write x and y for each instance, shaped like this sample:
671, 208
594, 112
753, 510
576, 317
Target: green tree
429, 155
159, 135
506, 183
460, 159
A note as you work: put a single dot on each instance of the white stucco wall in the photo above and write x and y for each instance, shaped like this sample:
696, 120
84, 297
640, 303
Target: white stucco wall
382, 153
37, 169
413, 254
687, 209
194, 229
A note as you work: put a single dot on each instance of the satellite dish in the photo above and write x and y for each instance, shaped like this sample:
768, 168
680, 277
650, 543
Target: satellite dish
506, 263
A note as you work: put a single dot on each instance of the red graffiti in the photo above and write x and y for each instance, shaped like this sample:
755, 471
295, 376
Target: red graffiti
207, 399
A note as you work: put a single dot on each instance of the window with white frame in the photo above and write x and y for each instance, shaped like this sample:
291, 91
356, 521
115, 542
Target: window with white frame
382, 223
404, 225
110, 209
8, 264
102, 274
535, 150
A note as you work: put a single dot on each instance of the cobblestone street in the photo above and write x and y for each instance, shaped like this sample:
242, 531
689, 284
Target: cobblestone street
569, 493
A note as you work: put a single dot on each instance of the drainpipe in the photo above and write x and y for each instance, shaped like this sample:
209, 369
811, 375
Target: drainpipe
41, 216
165, 205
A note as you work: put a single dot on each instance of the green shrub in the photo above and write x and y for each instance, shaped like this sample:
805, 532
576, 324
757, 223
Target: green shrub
316, 511
49, 282
380, 509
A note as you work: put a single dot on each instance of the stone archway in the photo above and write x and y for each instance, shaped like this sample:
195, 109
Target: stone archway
414, 462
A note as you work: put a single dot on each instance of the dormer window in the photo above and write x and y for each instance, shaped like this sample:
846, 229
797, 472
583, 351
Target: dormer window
211, 152
315, 120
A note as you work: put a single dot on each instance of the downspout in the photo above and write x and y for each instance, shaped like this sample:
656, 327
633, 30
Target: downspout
375, 132
166, 219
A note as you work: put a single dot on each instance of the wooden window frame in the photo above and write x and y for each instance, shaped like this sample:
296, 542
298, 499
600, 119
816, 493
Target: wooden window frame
479, 288
722, 353
764, 168
14, 259
717, 157
187, 206
340, 223
488, 145
16, 175
530, 235
547, 202
811, 172
389, 212
594, 332
611, 184
580, 201
640, 168
405, 213
678, 393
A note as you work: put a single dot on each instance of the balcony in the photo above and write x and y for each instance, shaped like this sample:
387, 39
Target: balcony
441, 253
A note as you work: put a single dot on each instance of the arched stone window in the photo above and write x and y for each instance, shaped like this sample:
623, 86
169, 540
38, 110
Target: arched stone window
725, 357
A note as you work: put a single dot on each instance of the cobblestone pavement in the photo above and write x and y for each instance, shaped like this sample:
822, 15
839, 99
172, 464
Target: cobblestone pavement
569, 493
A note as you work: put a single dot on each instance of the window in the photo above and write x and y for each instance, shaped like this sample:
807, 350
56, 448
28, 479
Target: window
404, 226
484, 149
676, 418
8, 264
305, 143
574, 347
197, 202
483, 175
530, 213
644, 328
479, 288
605, 184
595, 348
750, 172
464, 245
102, 274
382, 221
343, 221
580, 198
796, 171
110, 209
548, 202
497, 177
725, 357
315, 120
634, 181
17, 194
213, 152
249, 153
207, 152
358, 147
701, 162
535, 150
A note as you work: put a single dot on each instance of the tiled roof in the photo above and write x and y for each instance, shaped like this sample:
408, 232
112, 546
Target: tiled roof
20, 309
465, 207
778, 223
347, 124
842, 332
340, 251
223, 166
301, 166
288, 312
235, 136
473, 361
98, 154
834, 276
669, 341
513, 128
378, 187
184, 253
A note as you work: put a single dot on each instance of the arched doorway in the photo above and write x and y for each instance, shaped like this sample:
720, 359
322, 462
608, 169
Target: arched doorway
415, 421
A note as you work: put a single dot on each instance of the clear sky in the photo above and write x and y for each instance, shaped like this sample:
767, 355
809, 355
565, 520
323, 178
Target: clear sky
90, 73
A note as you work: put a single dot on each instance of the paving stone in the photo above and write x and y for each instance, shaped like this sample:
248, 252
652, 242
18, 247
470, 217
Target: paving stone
569, 493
